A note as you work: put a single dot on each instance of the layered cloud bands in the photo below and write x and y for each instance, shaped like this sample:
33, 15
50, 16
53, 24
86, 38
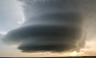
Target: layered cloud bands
50, 25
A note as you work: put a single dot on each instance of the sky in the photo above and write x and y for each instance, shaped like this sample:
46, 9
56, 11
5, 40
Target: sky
10, 14
12, 17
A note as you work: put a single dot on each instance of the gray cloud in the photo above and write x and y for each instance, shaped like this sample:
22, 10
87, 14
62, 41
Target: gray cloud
51, 25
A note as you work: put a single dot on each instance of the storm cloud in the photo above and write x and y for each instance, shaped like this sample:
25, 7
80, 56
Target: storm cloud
51, 25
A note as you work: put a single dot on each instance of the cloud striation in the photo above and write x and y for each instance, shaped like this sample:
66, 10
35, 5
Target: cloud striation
50, 25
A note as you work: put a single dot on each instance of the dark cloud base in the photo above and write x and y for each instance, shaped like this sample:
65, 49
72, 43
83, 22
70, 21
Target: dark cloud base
46, 48
44, 38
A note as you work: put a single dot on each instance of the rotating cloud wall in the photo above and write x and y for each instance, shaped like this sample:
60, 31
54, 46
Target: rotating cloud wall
51, 25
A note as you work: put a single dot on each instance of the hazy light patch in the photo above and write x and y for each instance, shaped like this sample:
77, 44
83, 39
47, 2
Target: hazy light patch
3, 32
15, 46
74, 53
21, 21
89, 49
